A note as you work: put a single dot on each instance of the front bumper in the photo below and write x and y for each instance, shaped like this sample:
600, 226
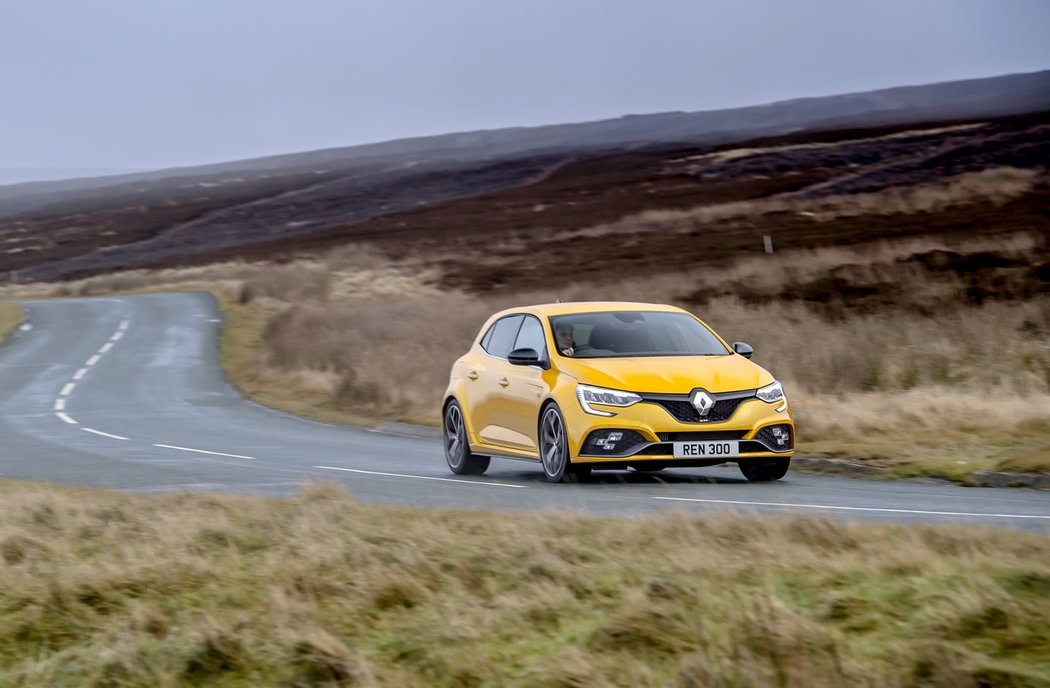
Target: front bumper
651, 427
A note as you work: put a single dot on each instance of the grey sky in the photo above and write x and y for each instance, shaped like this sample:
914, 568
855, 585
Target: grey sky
154, 83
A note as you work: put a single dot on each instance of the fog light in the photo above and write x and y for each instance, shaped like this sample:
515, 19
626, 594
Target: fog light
609, 441
781, 435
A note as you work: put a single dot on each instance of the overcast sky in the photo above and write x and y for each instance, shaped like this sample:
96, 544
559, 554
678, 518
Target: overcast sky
138, 84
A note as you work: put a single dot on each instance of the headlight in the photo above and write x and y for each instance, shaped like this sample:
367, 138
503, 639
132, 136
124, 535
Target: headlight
771, 394
606, 397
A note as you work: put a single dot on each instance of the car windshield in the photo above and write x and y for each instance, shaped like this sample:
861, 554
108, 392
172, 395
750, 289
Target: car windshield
621, 334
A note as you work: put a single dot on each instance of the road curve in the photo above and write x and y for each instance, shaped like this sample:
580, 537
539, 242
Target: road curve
127, 393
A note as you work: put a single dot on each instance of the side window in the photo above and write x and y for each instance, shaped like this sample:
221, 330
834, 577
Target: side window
487, 338
531, 336
501, 336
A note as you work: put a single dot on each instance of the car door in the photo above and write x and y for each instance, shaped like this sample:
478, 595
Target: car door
486, 380
525, 389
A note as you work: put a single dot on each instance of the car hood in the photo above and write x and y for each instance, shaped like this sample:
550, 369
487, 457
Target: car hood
668, 374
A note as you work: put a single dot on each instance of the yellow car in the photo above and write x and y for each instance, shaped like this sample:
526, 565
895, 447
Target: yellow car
582, 386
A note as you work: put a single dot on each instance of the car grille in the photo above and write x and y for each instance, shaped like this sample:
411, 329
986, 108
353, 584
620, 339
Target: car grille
683, 410
694, 436
752, 447
655, 450
624, 445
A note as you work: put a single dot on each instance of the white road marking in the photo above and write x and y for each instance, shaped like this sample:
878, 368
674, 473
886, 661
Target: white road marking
66, 418
106, 347
93, 360
418, 477
853, 508
116, 337
68, 389
202, 451
60, 404
80, 374
104, 434
123, 325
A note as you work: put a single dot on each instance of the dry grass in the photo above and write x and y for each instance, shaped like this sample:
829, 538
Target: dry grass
103, 589
11, 316
1037, 461
997, 185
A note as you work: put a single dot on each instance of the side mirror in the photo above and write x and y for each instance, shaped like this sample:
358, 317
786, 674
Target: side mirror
743, 348
524, 357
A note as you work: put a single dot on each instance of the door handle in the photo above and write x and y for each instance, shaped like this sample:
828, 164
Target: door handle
472, 375
503, 382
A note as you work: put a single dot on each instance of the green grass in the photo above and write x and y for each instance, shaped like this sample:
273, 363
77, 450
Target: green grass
11, 316
100, 588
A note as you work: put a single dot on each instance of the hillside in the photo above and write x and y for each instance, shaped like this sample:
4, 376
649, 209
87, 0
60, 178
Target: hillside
494, 181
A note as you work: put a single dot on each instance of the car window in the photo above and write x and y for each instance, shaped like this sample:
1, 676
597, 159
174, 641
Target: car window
503, 333
531, 336
637, 333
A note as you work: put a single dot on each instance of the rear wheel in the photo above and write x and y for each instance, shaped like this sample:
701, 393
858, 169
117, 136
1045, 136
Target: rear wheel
764, 470
461, 460
554, 446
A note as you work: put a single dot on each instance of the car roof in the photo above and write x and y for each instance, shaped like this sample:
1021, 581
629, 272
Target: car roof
574, 307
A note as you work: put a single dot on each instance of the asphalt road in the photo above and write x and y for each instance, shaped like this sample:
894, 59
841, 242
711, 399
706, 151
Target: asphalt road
127, 393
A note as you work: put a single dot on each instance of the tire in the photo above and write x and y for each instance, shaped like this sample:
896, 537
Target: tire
764, 470
580, 471
461, 460
554, 446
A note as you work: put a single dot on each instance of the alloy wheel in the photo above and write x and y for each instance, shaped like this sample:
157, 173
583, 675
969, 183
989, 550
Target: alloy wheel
455, 436
553, 444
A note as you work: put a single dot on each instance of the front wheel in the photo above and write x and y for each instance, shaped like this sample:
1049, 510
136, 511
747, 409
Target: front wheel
461, 460
764, 470
554, 446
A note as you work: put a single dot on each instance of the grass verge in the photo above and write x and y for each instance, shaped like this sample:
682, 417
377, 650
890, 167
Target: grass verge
11, 316
196, 589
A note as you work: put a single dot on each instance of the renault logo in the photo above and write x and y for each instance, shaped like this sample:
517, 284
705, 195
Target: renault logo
702, 402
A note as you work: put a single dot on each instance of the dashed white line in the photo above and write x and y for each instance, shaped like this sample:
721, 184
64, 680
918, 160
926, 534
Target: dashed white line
417, 477
60, 403
202, 451
104, 434
791, 505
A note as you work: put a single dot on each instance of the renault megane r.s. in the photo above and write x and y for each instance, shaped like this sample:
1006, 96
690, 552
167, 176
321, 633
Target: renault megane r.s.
583, 386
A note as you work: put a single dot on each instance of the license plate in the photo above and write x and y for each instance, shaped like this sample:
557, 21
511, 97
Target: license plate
712, 449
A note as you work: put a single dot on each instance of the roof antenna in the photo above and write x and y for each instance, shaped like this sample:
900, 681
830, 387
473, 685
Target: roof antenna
557, 300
